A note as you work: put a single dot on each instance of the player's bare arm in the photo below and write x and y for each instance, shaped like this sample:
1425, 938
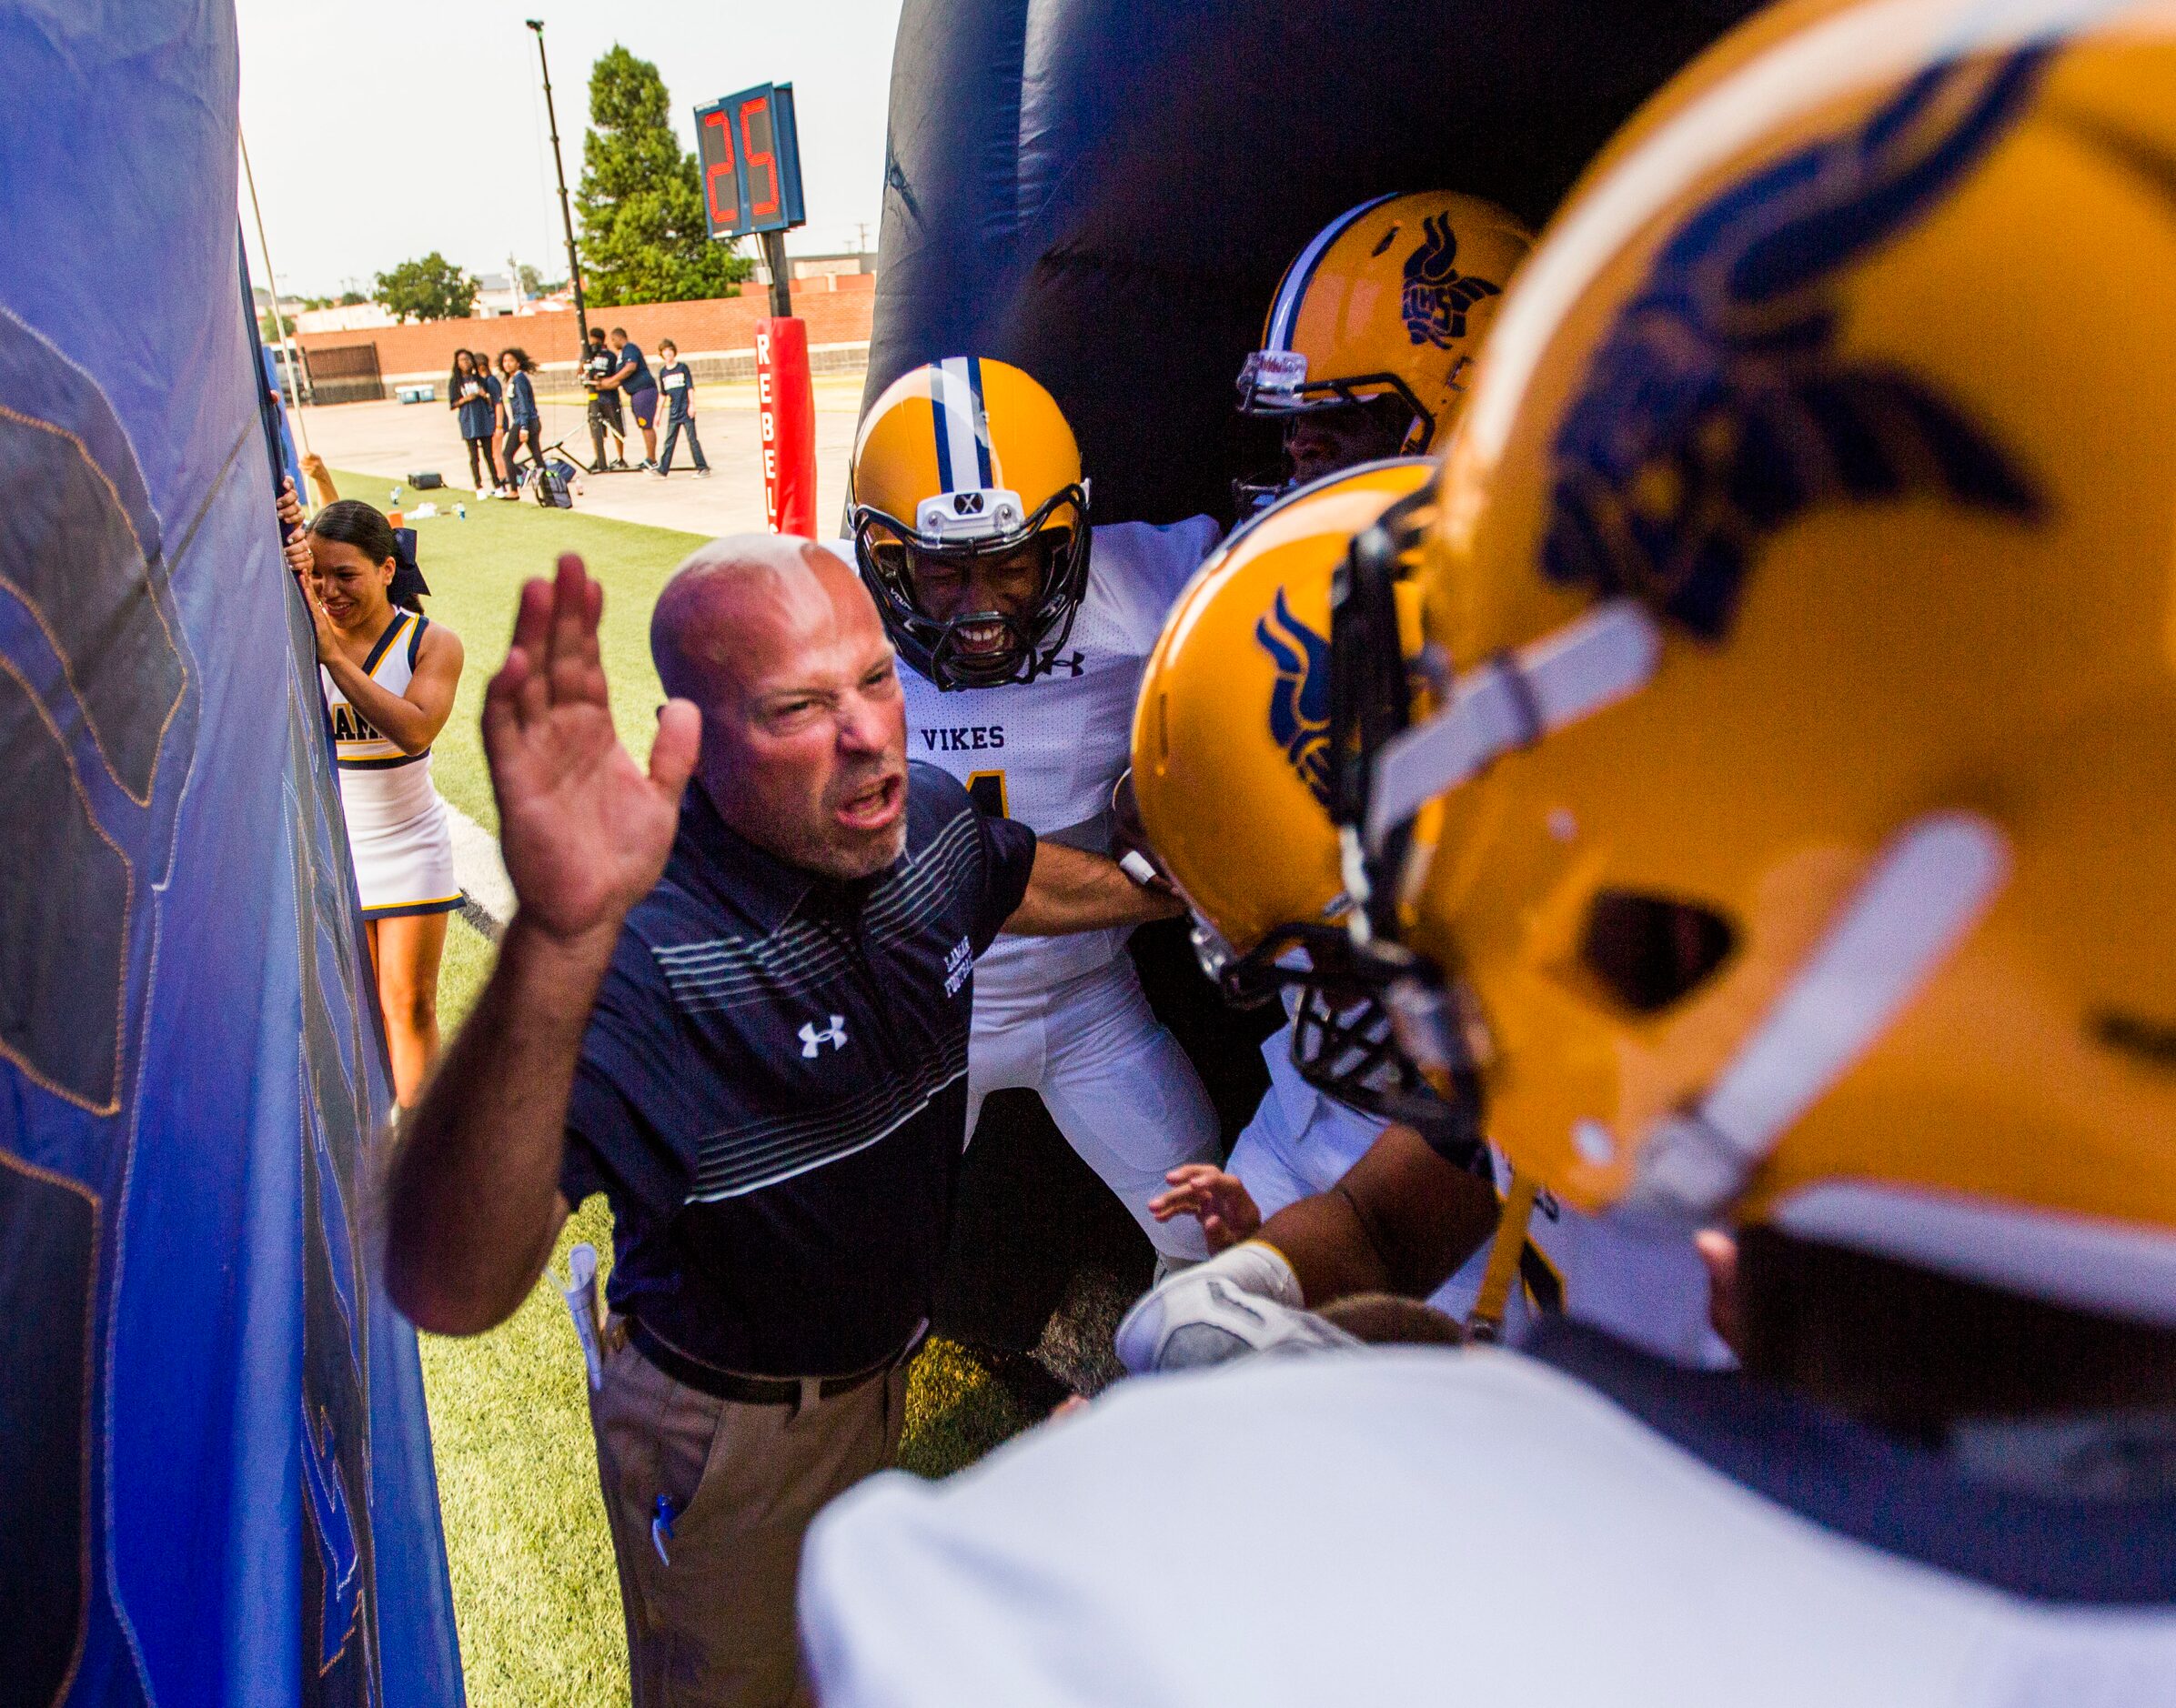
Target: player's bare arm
1401, 1221
473, 1199
1073, 890
320, 478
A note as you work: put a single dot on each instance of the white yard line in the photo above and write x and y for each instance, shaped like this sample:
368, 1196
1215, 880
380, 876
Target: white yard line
487, 892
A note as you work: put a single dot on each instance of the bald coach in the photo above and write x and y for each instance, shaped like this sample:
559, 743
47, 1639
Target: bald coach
741, 1010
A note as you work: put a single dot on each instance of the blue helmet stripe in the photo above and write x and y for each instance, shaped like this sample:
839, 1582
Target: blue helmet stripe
1285, 311
963, 433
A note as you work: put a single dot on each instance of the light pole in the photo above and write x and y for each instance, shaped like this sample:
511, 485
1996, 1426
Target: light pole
781, 272
279, 321
574, 264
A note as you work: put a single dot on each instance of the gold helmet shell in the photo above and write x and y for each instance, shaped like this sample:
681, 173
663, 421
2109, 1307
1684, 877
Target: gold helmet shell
1806, 564
964, 458
1232, 730
1234, 776
1390, 299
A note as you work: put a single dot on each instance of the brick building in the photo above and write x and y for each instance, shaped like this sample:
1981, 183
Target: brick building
716, 337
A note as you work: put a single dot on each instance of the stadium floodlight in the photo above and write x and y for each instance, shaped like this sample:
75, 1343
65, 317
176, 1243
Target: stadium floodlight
574, 264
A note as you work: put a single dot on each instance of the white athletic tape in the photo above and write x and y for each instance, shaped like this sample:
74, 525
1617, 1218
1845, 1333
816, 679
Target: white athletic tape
1927, 890
1512, 702
1137, 865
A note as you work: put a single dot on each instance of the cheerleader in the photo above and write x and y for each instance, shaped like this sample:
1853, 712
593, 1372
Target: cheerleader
389, 675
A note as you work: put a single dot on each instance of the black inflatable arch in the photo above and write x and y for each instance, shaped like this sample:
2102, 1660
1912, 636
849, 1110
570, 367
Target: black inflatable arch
1105, 192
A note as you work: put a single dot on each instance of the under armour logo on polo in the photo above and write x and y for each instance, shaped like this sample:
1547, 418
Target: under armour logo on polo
811, 1039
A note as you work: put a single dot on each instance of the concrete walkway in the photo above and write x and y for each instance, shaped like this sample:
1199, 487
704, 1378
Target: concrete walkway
395, 440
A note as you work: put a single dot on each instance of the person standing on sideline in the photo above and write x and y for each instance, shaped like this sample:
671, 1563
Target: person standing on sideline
678, 388
630, 375
522, 420
502, 477
741, 1010
470, 397
388, 676
605, 414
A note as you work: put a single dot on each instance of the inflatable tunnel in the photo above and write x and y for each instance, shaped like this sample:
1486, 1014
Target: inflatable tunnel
215, 1480
1105, 192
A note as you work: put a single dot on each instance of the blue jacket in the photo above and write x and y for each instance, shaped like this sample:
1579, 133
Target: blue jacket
522, 402
477, 417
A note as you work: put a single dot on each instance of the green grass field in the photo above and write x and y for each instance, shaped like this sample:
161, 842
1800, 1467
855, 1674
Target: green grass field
534, 1587
475, 568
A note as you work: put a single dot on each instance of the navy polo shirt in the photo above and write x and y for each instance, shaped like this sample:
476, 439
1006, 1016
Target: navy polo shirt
773, 1090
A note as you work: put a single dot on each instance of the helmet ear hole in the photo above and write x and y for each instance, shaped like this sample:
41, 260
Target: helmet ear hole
1650, 952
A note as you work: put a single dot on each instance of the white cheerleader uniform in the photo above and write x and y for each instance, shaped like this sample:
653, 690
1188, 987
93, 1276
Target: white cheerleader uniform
396, 825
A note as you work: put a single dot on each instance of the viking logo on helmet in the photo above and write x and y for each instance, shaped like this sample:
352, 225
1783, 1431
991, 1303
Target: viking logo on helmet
1299, 703
1719, 409
1437, 296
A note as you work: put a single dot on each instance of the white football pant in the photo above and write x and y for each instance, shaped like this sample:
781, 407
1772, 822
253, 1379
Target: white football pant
1117, 1084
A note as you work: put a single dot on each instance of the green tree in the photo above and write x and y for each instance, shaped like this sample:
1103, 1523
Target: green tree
530, 280
430, 290
644, 237
290, 307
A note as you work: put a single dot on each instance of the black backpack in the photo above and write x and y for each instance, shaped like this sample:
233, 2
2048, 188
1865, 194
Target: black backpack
552, 486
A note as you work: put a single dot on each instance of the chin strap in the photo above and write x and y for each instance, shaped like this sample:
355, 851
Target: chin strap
1926, 890
1484, 1321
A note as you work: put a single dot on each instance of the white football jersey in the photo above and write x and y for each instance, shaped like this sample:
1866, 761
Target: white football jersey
1426, 1526
1049, 752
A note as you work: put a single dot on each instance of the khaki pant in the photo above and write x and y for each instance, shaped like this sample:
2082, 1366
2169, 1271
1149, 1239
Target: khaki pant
713, 1624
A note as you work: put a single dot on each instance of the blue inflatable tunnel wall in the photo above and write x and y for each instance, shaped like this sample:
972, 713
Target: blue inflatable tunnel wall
1104, 192
216, 1481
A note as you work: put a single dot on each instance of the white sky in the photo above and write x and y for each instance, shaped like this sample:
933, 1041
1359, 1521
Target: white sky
382, 129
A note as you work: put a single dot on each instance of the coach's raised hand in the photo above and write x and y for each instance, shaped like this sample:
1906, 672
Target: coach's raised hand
584, 831
473, 1199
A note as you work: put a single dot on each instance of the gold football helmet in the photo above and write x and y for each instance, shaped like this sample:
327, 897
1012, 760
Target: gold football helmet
1233, 774
1798, 833
1390, 300
959, 460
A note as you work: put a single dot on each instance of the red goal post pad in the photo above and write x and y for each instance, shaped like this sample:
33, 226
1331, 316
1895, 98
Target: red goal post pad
786, 418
